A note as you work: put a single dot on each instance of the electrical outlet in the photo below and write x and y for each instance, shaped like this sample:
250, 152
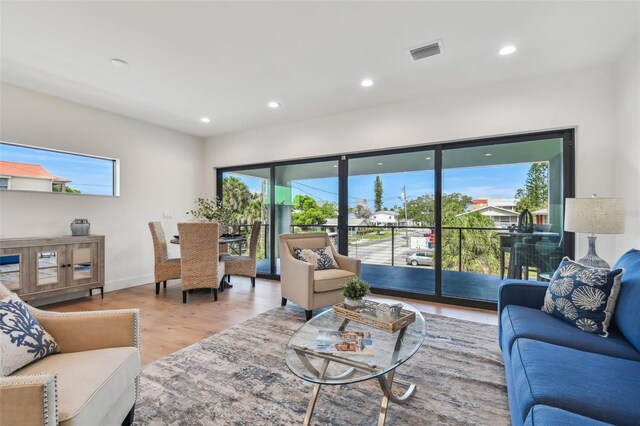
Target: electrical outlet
167, 215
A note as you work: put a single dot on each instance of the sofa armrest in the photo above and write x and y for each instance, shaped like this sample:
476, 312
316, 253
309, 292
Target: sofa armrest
85, 331
296, 279
520, 292
347, 263
29, 400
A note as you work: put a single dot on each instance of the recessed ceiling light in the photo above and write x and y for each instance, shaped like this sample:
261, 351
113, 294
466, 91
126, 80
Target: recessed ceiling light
274, 104
379, 164
205, 119
507, 50
428, 158
488, 154
119, 62
367, 82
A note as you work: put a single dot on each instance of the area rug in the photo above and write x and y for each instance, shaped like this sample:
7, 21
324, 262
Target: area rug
239, 377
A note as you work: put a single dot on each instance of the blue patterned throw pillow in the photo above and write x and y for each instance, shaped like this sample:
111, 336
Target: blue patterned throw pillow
320, 258
22, 338
583, 296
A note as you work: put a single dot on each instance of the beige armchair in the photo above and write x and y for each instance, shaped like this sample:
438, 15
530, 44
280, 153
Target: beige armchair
93, 380
308, 288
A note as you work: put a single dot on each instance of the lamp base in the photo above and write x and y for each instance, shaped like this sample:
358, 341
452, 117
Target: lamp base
591, 258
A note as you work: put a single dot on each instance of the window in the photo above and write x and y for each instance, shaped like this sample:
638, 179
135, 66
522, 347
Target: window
27, 168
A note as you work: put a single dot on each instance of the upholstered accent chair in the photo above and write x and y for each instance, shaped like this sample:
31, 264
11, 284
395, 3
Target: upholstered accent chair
164, 267
308, 288
245, 265
93, 380
199, 251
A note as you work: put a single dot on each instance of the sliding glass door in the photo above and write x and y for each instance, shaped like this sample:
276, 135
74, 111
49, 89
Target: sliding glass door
487, 192
443, 222
391, 219
306, 200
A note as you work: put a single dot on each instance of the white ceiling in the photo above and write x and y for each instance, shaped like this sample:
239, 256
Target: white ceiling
226, 60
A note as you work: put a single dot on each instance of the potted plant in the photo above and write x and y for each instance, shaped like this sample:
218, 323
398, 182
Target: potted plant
210, 210
354, 291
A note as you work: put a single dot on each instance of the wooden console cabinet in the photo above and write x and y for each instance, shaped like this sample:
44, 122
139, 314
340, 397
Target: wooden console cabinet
36, 268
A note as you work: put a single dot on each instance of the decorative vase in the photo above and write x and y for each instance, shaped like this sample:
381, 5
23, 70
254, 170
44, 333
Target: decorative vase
80, 227
353, 303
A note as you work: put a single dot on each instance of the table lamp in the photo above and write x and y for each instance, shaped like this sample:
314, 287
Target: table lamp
594, 216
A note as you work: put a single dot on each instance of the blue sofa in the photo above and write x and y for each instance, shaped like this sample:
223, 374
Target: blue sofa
558, 374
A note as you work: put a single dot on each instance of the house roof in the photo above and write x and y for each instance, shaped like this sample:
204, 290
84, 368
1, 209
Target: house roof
11, 168
391, 212
492, 211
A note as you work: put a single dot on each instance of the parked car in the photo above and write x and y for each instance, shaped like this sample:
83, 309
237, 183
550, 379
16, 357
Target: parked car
423, 258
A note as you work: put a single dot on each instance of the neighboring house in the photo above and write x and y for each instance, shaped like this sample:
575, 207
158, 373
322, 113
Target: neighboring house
384, 218
355, 224
503, 218
28, 177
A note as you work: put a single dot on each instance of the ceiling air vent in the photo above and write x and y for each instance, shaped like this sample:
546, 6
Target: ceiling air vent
422, 52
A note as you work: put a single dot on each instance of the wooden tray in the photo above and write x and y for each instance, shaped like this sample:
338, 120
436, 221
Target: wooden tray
367, 315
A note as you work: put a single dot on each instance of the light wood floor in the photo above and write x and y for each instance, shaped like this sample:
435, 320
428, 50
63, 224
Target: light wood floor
168, 325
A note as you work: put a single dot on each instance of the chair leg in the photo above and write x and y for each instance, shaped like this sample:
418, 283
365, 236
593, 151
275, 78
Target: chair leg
309, 314
165, 284
184, 296
128, 421
222, 284
215, 294
253, 281
229, 278
158, 288
283, 302
90, 292
101, 292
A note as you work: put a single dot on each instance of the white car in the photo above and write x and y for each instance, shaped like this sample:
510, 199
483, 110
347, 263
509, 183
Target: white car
423, 258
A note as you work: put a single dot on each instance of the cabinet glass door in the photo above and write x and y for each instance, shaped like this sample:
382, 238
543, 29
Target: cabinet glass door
12, 270
50, 264
83, 263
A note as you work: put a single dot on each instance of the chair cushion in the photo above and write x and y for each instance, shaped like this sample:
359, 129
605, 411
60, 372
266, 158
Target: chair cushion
543, 415
592, 385
330, 279
321, 258
583, 296
627, 315
519, 321
22, 338
89, 383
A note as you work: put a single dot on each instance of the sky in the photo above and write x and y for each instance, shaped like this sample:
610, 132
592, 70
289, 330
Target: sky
89, 175
478, 182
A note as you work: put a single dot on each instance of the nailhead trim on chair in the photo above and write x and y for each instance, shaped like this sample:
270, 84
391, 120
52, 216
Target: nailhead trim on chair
45, 393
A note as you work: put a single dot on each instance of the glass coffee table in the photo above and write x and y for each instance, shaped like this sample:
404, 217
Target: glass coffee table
390, 350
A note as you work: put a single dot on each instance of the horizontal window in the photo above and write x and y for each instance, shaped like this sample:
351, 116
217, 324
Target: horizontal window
27, 168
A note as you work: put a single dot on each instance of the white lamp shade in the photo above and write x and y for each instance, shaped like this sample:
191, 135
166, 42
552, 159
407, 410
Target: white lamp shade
594, 215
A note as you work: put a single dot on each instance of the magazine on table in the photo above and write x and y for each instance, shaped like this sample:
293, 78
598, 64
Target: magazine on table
345, 342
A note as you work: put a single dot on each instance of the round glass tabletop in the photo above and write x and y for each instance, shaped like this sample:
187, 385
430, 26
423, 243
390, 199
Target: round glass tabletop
311, 353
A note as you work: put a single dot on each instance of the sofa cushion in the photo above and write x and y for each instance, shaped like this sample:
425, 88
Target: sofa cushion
592, 385
543, 415
22, 339
330, 279
627, 315
583, 296
89, 383
519, 321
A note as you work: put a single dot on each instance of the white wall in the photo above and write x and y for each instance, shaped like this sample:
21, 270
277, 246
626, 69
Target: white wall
160, 170
627, 161
31, 184
581, 98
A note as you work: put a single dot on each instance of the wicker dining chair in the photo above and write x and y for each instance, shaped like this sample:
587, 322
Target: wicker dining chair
245, 266
199, 251
164, 267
